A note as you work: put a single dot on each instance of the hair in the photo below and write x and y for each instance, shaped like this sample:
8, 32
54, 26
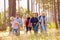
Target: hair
11, 18
37, 14
18, 14
24, 16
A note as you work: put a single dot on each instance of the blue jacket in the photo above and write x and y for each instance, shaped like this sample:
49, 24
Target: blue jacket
34, 21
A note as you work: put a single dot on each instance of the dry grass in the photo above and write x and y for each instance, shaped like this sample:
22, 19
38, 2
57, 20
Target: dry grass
52, 34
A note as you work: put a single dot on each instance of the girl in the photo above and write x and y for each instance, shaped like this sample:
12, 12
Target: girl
14, 25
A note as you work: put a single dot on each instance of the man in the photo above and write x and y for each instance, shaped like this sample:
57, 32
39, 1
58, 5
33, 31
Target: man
18, 19
42, 21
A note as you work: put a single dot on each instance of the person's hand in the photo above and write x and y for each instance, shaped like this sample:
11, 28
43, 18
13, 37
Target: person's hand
34, 23
39, 20
37, 24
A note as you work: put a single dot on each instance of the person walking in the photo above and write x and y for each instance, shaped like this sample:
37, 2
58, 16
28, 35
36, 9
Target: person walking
42, 21
14, 26
34, 22
19, 20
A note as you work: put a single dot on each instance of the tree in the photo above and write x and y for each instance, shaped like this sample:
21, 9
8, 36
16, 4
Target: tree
53, 5
12, 8
58, 11
19, 6
28, 6
4, 14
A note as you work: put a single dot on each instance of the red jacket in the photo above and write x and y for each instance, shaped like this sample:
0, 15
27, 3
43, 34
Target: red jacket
27, 22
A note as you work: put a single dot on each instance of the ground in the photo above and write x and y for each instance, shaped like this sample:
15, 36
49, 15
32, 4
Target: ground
52, 34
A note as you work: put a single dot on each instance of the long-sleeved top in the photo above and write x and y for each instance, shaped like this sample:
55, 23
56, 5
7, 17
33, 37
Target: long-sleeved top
18, 20
34, 20
15, 24
42, 20
27, 21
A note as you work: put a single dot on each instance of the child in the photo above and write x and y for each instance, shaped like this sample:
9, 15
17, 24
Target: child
24, 21
14, 25
28, 24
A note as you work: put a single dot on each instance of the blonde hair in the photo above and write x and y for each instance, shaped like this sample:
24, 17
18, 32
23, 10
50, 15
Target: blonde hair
24, 16
11, 18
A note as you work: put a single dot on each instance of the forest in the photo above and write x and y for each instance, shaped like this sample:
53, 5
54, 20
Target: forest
52, 9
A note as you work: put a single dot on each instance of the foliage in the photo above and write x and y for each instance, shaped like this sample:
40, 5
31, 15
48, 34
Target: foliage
49, 36
23, 11
51, 25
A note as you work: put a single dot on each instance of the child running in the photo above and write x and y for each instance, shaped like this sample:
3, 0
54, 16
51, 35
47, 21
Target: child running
14, 26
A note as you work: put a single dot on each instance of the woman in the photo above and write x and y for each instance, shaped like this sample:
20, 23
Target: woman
34, 22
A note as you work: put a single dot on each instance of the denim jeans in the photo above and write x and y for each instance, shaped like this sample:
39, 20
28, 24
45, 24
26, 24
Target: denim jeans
16, 31
42, 27
35, 28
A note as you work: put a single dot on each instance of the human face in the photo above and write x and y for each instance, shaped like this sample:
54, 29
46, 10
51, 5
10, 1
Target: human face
34, 15
12, 18
43, 14
18, 16
27, 15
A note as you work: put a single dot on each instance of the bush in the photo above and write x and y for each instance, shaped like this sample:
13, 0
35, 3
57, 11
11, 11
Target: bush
1, 27
51, 25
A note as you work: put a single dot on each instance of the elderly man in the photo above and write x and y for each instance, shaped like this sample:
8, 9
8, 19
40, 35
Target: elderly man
42, 21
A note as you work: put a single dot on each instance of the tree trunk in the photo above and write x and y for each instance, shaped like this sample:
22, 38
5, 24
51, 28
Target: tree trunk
56, 13
36, 6
39, 7
43, 6
12, 8
32, 5
28, 6
19, 6
4, 27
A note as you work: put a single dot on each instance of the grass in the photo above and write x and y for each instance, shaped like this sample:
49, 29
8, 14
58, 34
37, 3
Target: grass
53, 34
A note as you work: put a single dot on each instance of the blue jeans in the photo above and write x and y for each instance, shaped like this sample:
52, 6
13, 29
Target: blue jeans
35, 28
16, 31
42, 27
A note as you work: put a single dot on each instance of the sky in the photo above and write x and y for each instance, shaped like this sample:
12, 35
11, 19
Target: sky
23, 3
